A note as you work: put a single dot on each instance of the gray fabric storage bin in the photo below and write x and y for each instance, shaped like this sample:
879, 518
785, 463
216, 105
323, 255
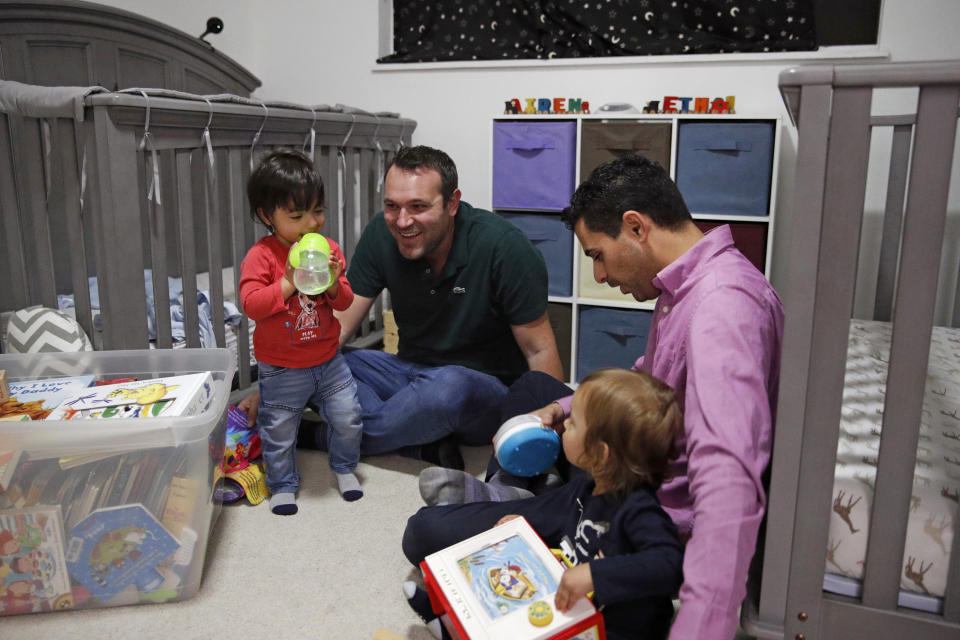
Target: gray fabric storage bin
610, 338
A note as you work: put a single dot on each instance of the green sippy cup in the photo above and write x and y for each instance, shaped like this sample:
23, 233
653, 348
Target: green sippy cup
310, 260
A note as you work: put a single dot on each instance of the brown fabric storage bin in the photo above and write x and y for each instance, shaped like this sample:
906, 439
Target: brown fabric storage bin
561, 320
604, 140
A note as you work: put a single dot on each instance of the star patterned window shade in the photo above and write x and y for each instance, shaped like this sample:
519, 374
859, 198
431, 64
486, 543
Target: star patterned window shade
449, 30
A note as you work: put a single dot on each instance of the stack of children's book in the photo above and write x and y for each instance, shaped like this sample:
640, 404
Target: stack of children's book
110, 523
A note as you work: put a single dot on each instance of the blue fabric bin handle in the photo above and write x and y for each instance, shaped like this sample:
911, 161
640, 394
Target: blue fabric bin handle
724, 145
540, 236
530, 144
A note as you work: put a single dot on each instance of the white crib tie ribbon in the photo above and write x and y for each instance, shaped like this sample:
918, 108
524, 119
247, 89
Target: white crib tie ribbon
256, 136
403, 126
205, 136
379, 156
342, 168
311, 137
47, 148
146, 142
342, 165
83, 177
340, 153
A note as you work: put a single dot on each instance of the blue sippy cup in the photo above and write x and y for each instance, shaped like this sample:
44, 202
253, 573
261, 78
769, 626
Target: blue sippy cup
310, 260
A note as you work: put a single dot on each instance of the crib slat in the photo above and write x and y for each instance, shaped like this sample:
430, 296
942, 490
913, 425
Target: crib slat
327, 166
842, 212
351, 212
214, 258
923, 228
188, 251
30, 182
159, 229
14, 295
120, 261
811, 161
892, 221
331, 182
951, 598
68, 133
238, 245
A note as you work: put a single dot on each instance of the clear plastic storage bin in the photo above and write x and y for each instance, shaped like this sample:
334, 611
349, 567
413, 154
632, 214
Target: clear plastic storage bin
113, 511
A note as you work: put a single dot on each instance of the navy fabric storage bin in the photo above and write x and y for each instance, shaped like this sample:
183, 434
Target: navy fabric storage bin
724, 168
610, 338
555, 242
533, 164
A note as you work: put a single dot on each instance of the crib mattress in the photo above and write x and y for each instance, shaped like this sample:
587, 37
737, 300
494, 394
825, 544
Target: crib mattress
936, 487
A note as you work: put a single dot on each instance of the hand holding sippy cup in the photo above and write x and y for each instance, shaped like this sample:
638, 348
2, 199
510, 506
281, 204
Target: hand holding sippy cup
310, 259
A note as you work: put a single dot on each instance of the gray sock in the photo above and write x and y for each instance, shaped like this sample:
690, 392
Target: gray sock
283, 504
349, 486
449, 486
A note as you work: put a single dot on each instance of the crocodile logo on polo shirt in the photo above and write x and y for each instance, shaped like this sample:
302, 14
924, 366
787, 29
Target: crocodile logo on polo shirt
459, 290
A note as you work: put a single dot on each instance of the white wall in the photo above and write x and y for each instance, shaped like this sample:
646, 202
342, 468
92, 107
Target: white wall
323, 51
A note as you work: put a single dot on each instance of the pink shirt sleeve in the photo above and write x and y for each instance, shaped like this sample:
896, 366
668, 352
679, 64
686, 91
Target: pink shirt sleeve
728, 427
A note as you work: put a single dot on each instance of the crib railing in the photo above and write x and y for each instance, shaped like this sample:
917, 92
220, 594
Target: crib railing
831, 107
137, 181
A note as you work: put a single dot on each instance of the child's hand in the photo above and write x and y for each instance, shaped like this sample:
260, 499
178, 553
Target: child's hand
576, 583
336, 268
506, 518
286, 283
551, 416
250, 406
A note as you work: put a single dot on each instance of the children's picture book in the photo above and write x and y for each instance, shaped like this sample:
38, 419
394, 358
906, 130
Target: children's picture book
184, 395
501, 584
33, 569
38, 398
115, 547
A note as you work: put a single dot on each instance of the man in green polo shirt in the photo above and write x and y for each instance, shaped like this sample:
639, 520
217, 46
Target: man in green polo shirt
469, 295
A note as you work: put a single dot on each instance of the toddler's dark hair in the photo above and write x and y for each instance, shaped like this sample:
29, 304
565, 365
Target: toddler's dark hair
284, 178
637, 417
627, 183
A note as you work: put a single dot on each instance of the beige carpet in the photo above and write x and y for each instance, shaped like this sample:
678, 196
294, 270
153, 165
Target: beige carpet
333, 571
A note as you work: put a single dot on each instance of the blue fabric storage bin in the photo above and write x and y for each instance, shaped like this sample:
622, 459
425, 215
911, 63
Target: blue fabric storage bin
555, 242
725, 167
533, 164
610, 338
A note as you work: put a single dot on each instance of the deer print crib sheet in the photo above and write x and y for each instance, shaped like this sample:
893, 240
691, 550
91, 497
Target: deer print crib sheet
936, 485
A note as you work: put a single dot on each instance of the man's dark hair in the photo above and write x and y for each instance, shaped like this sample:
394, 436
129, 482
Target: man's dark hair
421, 157
627, 183
284, 178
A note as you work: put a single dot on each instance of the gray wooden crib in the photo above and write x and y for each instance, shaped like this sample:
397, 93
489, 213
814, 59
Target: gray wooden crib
835, 109
116, 185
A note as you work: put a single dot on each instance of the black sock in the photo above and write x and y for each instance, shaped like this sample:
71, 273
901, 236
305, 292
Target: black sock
444, 452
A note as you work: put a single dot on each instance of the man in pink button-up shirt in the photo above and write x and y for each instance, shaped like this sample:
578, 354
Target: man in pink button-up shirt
715, 338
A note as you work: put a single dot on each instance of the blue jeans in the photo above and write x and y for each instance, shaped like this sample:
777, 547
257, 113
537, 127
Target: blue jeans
284, 392
406, 405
